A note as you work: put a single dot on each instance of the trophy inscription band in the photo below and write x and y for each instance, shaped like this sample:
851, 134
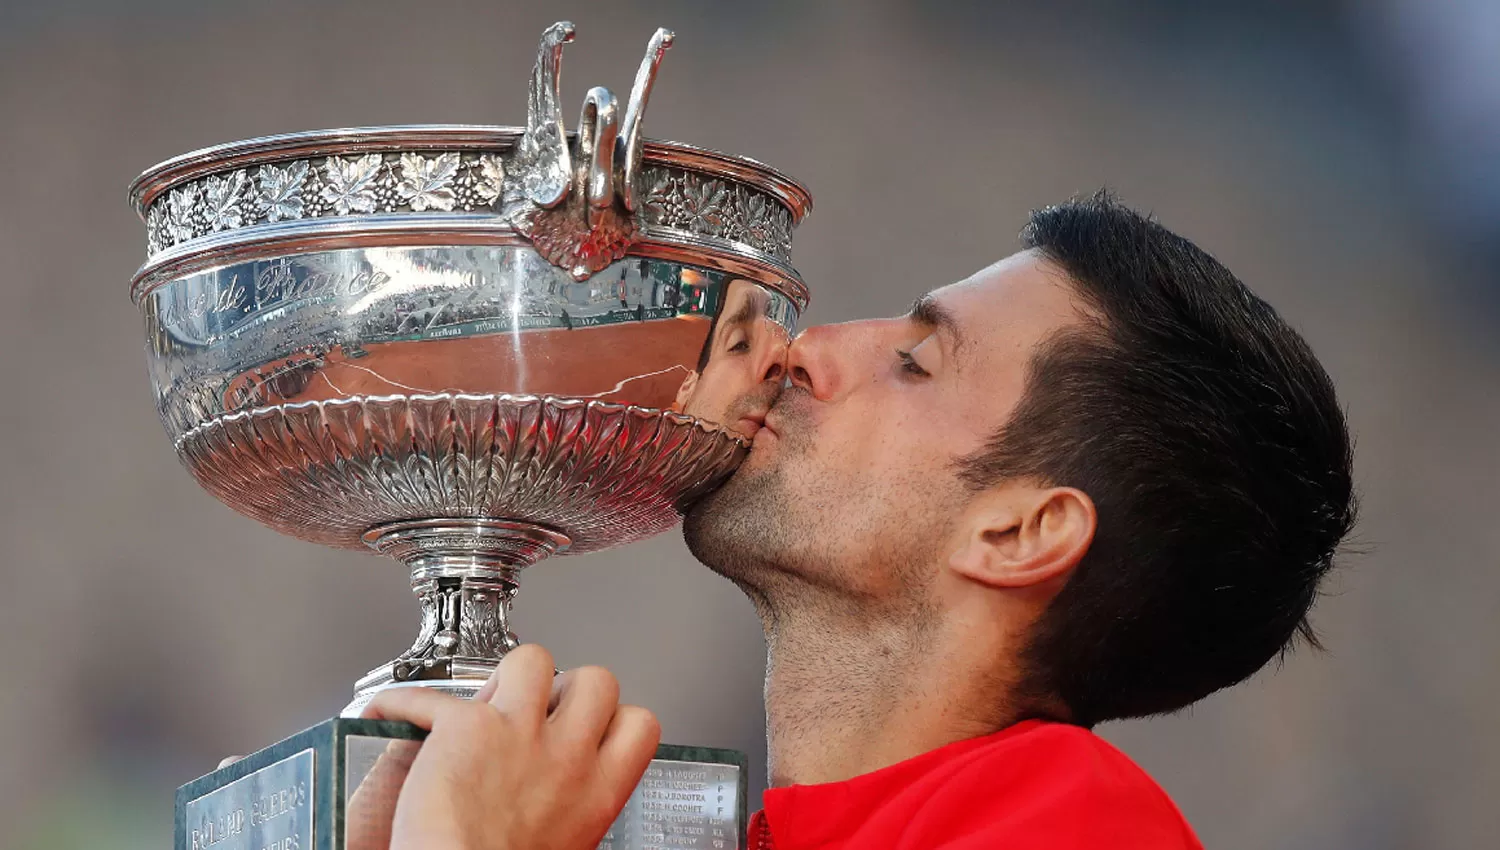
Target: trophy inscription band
442, 182
270, 809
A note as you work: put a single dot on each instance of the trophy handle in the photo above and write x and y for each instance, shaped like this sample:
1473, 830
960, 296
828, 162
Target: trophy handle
628, 150
464, 573
544, 147
598, 127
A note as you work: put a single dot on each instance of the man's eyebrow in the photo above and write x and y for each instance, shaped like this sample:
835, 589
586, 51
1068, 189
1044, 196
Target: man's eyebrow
929, 312
753, 308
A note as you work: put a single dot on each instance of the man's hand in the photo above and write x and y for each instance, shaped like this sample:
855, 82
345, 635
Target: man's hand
531, 763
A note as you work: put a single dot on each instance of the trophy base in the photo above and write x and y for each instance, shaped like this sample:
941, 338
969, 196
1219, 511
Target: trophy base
334, 787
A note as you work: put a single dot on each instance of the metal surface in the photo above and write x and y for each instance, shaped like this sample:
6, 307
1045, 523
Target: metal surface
680, 805
582, 209
374, 770
147, 188
414, 189
688, 799
270, 808
468, 348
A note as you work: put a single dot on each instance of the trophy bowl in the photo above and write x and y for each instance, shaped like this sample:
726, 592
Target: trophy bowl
467, 347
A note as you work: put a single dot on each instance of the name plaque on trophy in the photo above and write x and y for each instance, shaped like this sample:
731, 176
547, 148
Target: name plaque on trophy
264, 810
682, 805
334, 787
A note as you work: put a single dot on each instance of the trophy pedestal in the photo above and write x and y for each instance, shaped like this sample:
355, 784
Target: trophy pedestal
333, 787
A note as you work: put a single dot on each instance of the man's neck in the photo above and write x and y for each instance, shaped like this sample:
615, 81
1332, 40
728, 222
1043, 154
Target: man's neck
846, 696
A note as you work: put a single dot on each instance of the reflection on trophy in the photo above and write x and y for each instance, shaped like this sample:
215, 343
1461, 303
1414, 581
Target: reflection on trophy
468, 348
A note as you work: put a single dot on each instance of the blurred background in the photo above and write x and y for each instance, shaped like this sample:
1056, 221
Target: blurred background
1342, 157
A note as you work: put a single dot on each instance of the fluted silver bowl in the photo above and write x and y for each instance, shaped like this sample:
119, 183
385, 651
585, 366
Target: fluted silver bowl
467, 347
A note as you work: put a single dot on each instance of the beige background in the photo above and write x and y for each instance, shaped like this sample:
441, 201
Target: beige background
146, 630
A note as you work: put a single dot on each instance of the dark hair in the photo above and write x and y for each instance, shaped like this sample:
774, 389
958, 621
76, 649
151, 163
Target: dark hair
1216, 453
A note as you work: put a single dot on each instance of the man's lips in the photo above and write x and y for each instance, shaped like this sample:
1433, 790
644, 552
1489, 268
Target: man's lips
771, 425
747, 426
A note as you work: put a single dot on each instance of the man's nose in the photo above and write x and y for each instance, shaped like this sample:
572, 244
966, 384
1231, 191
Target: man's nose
771, 363
810, 362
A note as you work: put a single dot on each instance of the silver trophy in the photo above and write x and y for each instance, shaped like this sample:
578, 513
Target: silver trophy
467, 348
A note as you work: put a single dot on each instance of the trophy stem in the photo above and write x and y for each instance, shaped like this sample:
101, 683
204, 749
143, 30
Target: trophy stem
464, 573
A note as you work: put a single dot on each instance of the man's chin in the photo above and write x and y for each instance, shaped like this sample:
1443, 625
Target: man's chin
728, 492
735, 522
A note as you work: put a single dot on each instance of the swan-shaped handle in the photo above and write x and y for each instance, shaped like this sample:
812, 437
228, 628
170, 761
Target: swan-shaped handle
598, 128
577, 207
628, 150
544, 148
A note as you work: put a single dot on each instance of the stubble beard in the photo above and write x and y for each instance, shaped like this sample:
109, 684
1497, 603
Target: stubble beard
748, 528
771, 532
740, 530
777, 530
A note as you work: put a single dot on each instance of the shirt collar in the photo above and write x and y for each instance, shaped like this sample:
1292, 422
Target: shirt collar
801, 817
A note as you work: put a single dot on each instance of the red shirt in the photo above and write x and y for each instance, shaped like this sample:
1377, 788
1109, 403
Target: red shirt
1033, 786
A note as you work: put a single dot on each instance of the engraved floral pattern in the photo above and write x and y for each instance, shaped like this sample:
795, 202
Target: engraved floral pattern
280, 196
425, 183
182, 212
387, 192
664, 198
222, 194
700, 204
442, 182
733, 215
779, 230
705, 201
349, 183
757, 230
155, 228
480, 182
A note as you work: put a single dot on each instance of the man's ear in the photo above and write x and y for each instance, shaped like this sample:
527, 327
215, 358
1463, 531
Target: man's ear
1016, 537
685, 392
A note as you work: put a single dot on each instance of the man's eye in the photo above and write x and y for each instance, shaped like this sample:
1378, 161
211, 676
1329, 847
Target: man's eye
740, 347
909, 364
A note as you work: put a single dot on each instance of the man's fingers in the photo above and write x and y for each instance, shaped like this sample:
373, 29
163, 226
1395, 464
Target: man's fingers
486, 690
585, 702
629, 745
421, 706
523, 684
372, 806
227, 762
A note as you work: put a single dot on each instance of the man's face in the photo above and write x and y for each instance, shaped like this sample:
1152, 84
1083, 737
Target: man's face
851, 485
745, 358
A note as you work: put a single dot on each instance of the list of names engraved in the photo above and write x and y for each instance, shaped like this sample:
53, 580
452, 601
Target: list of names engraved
680, 805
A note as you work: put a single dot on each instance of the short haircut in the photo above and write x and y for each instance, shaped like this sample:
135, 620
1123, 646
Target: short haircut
1214, 448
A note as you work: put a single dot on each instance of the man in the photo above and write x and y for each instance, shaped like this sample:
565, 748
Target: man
1099, 479
740, 366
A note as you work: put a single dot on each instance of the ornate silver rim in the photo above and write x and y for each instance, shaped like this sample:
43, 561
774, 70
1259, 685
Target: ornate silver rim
229, 156
583, 199
363, 190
